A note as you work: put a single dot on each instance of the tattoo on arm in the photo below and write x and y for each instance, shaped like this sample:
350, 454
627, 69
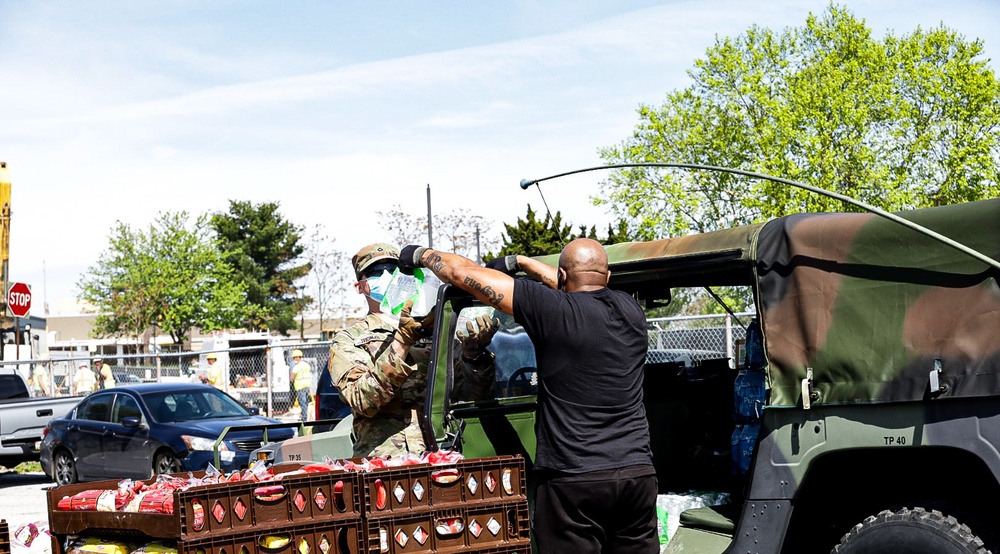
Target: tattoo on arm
492, 296
435, 262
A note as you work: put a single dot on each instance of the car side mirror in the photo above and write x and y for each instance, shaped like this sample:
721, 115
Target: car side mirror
130, 422
253, 410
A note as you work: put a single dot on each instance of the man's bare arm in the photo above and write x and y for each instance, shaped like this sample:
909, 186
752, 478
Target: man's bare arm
543, 273
492, 287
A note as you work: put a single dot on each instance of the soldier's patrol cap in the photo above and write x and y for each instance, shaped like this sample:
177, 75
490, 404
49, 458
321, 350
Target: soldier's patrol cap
369, 255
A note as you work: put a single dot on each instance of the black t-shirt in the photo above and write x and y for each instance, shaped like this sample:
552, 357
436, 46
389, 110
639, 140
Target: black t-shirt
590, 347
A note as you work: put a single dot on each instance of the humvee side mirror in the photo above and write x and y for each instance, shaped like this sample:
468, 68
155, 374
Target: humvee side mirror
652, 303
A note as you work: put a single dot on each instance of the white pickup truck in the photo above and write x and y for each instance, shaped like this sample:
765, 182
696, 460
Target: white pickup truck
22, 418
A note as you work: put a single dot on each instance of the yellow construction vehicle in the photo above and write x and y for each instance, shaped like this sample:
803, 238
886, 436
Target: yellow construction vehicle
20, 338
4, 234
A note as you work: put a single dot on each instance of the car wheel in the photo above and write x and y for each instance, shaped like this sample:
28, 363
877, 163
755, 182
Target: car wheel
165, 463
64, 468
916, 531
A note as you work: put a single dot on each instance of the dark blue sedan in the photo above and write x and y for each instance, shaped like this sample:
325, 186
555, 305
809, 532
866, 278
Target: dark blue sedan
139, 431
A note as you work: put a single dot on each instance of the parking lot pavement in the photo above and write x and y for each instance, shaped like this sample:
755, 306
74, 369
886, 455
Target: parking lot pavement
23, 500
288, 417
291, 416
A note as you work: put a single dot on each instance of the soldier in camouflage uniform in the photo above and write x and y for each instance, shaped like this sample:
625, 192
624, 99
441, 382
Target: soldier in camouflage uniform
380, 364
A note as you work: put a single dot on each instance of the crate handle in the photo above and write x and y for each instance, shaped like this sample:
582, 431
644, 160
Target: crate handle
507, 480
512, 522
446, 476
270, 493
338, 496
449, 526
197, 515
381, 495
275, 542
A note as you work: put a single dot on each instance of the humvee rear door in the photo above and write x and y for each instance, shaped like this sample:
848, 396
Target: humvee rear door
495, 416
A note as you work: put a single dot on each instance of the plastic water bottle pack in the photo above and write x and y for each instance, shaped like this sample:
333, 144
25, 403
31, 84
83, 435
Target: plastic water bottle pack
421, 287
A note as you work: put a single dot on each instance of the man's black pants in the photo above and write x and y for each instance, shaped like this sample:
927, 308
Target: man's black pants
612, 511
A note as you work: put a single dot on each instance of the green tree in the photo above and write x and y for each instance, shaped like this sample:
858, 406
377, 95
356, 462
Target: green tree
902, 122
265, 249
170, 277
618, 233
533, 237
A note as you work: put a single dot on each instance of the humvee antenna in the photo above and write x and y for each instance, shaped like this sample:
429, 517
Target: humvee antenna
525, 183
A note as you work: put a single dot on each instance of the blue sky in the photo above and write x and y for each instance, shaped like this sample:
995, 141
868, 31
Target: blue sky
115, 111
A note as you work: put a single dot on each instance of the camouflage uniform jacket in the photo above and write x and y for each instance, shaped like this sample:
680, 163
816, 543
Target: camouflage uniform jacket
386, 394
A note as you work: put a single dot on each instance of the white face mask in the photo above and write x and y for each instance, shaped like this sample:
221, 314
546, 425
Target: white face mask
378, 285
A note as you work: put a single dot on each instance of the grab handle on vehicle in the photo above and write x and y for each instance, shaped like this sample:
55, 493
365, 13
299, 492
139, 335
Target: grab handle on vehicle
808, 394
936, 388
454, 439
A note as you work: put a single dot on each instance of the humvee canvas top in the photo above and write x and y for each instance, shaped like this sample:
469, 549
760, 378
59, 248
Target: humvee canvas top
871, 306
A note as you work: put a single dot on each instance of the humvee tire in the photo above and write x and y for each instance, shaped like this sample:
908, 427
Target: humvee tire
915, 531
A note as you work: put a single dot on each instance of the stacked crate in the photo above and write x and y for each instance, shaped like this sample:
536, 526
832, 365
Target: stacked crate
474, 506
303, 513
4, 537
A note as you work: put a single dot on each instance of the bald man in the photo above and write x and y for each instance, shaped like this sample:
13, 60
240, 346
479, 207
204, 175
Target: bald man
596, 486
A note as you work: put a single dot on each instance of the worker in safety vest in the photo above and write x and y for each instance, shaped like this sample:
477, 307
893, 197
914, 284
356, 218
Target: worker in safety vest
105, 377
302, 382
84, 382
214, 375
42, 381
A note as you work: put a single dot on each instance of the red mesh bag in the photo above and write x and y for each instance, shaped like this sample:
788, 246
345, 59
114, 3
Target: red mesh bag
157, 502
84, 501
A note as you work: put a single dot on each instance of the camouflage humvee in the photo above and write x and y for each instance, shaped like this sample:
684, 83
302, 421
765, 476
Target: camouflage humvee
879, 348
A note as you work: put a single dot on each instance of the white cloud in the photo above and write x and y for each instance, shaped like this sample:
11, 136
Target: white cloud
98, 129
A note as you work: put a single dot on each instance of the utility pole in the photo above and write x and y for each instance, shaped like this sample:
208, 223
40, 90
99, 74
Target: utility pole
302, 316
430, 234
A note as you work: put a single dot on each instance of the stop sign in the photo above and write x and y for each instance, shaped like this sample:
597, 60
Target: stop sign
19, 299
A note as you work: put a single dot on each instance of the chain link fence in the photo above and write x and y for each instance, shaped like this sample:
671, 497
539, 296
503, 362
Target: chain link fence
694, 339
260, 375
255, 375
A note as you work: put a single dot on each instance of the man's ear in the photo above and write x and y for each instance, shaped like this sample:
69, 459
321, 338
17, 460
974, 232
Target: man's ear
608, 280
358, 287
560, 278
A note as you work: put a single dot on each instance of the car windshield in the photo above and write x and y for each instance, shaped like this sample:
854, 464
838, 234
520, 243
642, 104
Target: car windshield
185, 405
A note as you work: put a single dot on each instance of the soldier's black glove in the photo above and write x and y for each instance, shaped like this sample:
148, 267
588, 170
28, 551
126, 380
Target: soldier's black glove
409, 258
506, 264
